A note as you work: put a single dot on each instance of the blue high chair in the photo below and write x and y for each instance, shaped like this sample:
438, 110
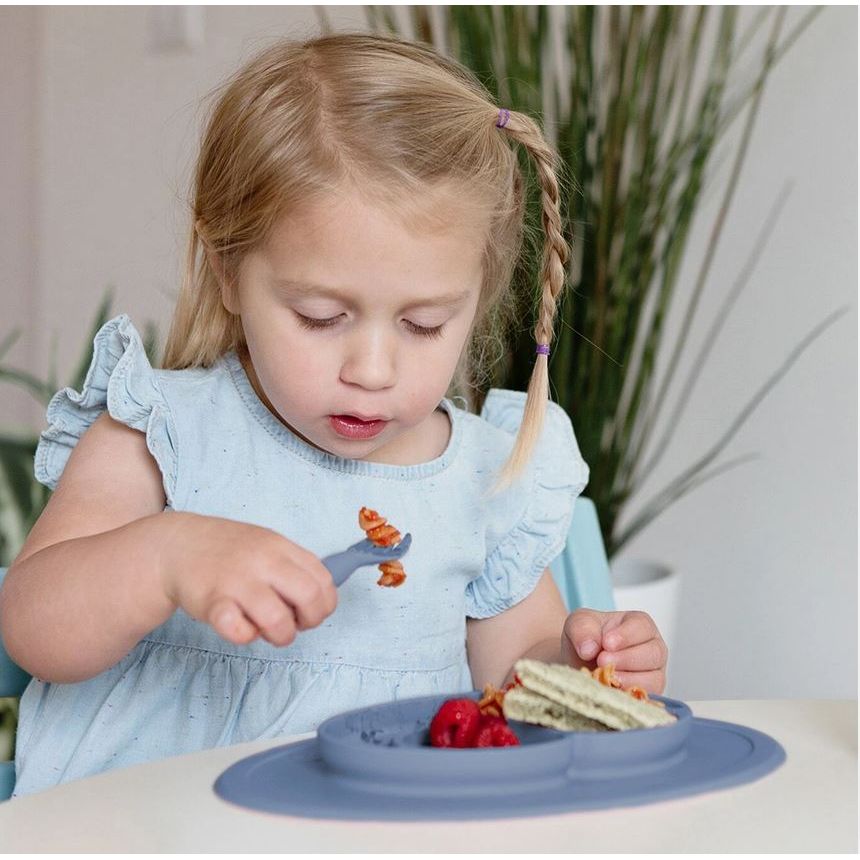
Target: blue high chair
581, 573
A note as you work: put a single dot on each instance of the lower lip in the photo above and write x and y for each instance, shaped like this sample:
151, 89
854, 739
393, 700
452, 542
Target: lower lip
353, 428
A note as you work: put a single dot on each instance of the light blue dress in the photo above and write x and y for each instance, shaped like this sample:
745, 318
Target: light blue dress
221, 452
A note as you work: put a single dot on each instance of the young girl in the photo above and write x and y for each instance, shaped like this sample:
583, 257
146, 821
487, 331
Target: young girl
357, 215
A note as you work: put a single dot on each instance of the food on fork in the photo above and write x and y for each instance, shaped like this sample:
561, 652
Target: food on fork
392, 574
378, 529
559, 696
382, 533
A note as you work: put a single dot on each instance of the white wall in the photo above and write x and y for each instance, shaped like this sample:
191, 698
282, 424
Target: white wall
768, 551
19, 77
98, 133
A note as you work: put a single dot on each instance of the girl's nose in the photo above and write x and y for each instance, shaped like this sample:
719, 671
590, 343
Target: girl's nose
369, 361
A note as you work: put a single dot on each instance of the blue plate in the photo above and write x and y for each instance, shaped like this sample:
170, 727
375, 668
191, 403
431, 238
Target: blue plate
376, 764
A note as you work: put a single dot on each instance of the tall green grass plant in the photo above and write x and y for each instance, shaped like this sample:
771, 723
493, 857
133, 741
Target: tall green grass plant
638, 100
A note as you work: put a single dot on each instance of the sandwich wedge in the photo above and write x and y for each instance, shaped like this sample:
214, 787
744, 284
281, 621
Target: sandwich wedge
552, 694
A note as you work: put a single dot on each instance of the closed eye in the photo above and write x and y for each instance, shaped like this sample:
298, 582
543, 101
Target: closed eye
314, 323
424, 331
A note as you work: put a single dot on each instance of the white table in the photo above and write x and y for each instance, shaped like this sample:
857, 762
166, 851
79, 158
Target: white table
809, 804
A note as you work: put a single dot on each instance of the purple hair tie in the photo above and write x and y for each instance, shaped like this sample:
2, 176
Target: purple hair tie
501, 123
542, 349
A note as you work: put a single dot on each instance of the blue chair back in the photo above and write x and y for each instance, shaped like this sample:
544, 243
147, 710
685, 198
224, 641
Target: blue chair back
13, 680
581, 572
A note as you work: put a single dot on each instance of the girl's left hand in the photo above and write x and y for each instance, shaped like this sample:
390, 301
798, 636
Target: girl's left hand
629, 640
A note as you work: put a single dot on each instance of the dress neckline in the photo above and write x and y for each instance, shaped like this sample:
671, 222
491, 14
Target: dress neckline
279, 431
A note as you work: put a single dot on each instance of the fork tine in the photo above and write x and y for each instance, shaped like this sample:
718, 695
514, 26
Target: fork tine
393, 552
404, 545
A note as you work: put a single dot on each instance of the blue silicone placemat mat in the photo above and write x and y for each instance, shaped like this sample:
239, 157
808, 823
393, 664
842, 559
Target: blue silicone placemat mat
295, 779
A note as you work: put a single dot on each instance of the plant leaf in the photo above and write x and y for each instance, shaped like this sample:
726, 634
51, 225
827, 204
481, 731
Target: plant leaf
20, 377
9, 341
671, 494
719, 320
655, 504
16, 459
101, 317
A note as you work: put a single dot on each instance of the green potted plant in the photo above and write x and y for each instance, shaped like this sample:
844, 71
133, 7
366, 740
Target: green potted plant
614, 86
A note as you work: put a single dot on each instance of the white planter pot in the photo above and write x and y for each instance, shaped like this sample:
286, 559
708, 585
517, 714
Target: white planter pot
650, 587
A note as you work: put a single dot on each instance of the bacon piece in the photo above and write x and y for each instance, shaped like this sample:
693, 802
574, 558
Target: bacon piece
393, 574
369, 519
490, 704
606, 675
384, 535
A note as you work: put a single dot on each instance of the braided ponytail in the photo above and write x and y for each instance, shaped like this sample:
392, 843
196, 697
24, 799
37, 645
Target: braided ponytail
525, 131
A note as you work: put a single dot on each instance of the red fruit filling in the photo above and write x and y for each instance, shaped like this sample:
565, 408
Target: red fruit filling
455, 724
461, 723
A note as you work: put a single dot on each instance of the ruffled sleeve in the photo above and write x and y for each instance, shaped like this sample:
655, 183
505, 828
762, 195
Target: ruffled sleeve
120, 380
541, 505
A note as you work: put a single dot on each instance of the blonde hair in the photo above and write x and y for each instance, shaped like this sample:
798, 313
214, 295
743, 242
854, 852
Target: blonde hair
399, 121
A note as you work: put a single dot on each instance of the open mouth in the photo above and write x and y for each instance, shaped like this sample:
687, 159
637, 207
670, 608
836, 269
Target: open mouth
350, 427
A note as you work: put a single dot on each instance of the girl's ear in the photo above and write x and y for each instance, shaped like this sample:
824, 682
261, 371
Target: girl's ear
228, 288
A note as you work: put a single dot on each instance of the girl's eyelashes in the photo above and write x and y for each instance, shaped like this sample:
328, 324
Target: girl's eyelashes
424, 331
327, 322
314, 323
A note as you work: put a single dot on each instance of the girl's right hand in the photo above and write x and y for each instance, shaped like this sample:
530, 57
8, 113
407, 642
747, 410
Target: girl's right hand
244, 580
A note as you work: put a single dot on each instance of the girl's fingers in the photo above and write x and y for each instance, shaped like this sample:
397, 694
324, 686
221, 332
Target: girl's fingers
228, 620
627, 629
274, 606
583, 629
312, 565
652, 682
275, 619
647, 657
311, 600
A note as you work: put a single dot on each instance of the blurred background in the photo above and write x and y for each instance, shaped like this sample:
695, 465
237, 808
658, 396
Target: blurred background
101, 111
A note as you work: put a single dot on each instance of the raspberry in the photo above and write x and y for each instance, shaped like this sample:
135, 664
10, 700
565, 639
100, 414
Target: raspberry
484, 738
503, 736
455, 724
495, 732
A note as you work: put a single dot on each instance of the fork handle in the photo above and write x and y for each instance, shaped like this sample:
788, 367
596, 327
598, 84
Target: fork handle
342, 565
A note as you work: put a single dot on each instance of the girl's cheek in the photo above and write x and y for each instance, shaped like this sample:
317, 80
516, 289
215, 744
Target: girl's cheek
318, 374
